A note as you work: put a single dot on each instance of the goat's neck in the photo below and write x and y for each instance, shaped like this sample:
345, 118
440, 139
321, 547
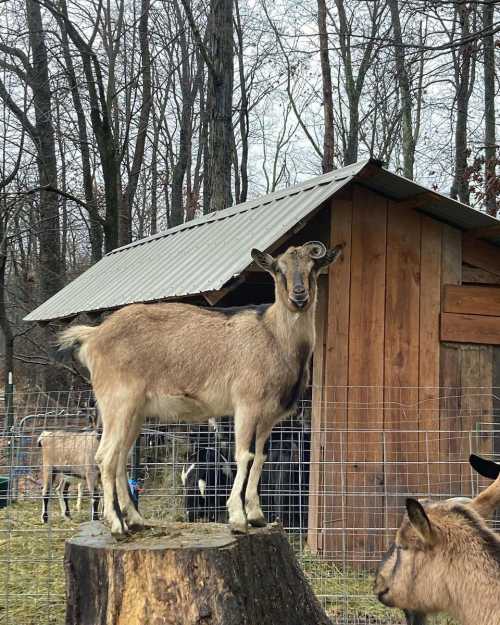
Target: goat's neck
292, 330
475, 598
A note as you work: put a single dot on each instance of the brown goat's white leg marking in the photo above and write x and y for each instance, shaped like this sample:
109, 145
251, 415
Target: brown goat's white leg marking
133, 517
58, 488
253, 510
244, 427
46, 486
79, 498
107, 457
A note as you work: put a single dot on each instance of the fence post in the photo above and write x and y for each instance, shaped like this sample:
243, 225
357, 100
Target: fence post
9, 430
9, 403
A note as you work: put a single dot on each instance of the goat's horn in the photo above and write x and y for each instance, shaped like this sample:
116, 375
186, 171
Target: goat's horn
316, 249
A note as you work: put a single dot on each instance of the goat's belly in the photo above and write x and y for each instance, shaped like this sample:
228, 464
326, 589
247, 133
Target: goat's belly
171, 408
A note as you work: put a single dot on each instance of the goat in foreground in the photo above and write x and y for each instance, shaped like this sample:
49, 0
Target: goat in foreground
182, 362
445, 559
70, 457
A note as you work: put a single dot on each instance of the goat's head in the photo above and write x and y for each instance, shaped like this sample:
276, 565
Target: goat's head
295, 272
434, 539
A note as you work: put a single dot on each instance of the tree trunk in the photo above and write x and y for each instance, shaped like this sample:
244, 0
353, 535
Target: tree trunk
95, 226
125, 228
326, 76
220, 102
188, 575
243, 112
404, 93
489, 110
464, 80
50, 265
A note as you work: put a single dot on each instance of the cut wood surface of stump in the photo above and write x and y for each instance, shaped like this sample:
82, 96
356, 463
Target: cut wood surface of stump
187, 574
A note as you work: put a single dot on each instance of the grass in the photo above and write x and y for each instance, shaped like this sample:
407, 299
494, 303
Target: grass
32, 575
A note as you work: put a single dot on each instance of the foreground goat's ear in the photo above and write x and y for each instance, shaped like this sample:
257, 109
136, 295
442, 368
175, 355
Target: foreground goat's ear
331, 256
265, 261
420, 521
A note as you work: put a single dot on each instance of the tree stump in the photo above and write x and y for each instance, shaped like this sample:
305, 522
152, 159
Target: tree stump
187, 574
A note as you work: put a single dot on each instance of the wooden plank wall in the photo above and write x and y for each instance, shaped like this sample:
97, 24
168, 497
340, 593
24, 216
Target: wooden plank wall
451, 273
401, 350
317, 409
428, 399
365, 474
399, 404
336, 367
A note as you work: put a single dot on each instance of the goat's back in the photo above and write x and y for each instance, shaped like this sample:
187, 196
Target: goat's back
70, 451
179, 350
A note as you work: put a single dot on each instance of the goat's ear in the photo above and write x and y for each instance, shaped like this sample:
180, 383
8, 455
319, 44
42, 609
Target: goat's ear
330, 256
263, 260
420, 521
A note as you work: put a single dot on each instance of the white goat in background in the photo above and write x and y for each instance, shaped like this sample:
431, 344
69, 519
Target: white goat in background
68, 457
182, 362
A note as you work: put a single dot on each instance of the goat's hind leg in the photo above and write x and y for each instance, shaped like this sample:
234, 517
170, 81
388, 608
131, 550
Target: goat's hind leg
133, 517
108, 457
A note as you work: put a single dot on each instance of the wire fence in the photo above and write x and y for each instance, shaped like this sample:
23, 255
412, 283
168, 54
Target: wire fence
336, 477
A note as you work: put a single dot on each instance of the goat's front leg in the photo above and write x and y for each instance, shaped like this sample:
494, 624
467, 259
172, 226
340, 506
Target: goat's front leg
64, 488
253, 510
244, 427
59, 488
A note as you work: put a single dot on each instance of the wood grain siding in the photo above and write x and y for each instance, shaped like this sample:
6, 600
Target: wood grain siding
401, 349
336, 381
476, 407
451, 273
481, 254
318, 386
470, 329
366, 369
474, 275
430, 308
473, 300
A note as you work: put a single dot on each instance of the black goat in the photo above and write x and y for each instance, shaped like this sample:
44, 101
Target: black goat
207, 478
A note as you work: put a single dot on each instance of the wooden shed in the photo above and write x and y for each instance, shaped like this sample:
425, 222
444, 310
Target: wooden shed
408, 326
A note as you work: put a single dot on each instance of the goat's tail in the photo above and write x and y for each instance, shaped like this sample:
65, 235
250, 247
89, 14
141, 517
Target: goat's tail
74, 339
75, 336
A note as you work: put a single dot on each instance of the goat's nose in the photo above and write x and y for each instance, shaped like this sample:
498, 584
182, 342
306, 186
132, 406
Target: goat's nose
298, 289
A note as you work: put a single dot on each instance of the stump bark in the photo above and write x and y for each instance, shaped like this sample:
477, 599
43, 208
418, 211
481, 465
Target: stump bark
187, 575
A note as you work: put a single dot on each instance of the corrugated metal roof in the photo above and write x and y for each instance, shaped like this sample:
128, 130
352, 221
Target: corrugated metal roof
204, 254
198, 256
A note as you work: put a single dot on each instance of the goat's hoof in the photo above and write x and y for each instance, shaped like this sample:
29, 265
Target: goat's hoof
118, 530
238, 528
258, 522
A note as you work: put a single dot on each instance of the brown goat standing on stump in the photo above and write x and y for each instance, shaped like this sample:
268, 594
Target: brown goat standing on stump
181, 362
445, 559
